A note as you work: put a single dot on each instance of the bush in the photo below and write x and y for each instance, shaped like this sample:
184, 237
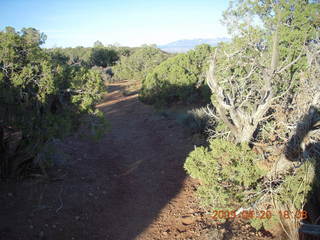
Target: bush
232, 177
41, 98
228, 174
75, 56
105, 73
103, 57
290, 198
88, 57
139, 64
180, 78
196, 120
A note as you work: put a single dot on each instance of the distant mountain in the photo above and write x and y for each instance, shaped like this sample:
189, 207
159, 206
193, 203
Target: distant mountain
188, 44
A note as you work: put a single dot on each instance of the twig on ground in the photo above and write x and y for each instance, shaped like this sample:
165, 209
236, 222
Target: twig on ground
60, 199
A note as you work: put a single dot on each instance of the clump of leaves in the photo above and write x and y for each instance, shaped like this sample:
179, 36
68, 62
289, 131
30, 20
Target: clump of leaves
103, 57
196, 120
289, 199
295, 188
180, 78
137, 65
228, 173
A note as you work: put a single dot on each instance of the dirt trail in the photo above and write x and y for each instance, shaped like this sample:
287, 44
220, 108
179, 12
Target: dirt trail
128, 185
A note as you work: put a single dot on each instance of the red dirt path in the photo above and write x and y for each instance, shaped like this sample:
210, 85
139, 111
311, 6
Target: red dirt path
128, 185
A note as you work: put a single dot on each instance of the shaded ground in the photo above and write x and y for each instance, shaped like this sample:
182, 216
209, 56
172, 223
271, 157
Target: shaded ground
129, 185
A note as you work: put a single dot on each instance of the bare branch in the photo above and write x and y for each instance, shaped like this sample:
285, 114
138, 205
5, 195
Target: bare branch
290, 64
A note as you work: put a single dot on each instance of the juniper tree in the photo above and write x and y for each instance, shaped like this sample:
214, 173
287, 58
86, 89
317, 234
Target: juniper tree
262, 63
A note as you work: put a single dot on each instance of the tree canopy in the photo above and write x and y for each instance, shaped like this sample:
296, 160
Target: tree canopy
248, 74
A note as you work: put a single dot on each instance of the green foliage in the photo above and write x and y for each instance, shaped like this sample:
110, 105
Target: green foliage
196, 120
89, 82
296, 187
123, 51
97, 44
271, 58
262, 63
99, 55
295, 23
176, 78
74, 56
266, 223
103, 57
291, 195
139, 64
41, 97
32, 36
228, 173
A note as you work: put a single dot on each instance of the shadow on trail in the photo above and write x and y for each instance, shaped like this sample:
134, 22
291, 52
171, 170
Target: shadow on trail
148, 167
110, 189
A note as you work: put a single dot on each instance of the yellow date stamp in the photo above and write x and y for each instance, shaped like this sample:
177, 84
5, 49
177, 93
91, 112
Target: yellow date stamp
261, 214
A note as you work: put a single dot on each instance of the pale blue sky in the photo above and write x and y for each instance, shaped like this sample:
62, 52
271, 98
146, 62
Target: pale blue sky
127, 22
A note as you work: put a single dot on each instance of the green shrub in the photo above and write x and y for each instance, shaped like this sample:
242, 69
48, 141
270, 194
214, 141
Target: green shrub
180, 78
228, 174
41, 98
137, 65
75, 56
290, 197
296, 186
103, 57
231, 178
196, 120
99, 56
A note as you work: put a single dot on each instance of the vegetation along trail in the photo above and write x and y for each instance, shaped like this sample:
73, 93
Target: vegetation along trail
110, 142
121, 187
129, 185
